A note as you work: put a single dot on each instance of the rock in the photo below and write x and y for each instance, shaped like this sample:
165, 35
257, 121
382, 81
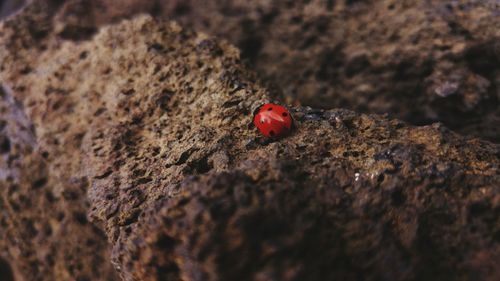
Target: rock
44, 233
369, 56
141, 132
9, 7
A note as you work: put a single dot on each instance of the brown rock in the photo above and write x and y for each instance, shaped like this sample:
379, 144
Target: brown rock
144, 128
371, 56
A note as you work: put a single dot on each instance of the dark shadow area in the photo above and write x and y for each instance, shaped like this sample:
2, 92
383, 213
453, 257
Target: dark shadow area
6, 273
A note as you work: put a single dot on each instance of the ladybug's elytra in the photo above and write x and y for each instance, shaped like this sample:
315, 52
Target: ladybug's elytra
273, 121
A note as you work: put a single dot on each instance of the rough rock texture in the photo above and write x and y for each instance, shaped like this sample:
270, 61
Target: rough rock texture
145, 130
44, 231
420, 61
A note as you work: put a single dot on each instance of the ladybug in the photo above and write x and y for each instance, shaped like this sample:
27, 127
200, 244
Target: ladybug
273, 121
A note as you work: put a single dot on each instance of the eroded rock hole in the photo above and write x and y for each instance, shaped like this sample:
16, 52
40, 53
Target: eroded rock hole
4, 144
6, 273
203, 166
39, 183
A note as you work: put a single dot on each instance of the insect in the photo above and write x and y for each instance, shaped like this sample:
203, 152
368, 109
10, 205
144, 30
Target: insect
273, 121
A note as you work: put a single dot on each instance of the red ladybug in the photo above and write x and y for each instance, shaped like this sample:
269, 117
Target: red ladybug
273, 121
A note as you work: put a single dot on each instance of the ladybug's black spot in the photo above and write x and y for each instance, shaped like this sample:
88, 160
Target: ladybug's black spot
261, 121
284, 114
271, 133
270, 109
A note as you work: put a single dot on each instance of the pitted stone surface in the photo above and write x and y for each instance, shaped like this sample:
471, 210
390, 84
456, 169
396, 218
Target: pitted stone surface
419, 61
142, 131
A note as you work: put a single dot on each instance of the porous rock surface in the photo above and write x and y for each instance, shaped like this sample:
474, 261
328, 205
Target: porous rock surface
142, 132
420, 61
44, 230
